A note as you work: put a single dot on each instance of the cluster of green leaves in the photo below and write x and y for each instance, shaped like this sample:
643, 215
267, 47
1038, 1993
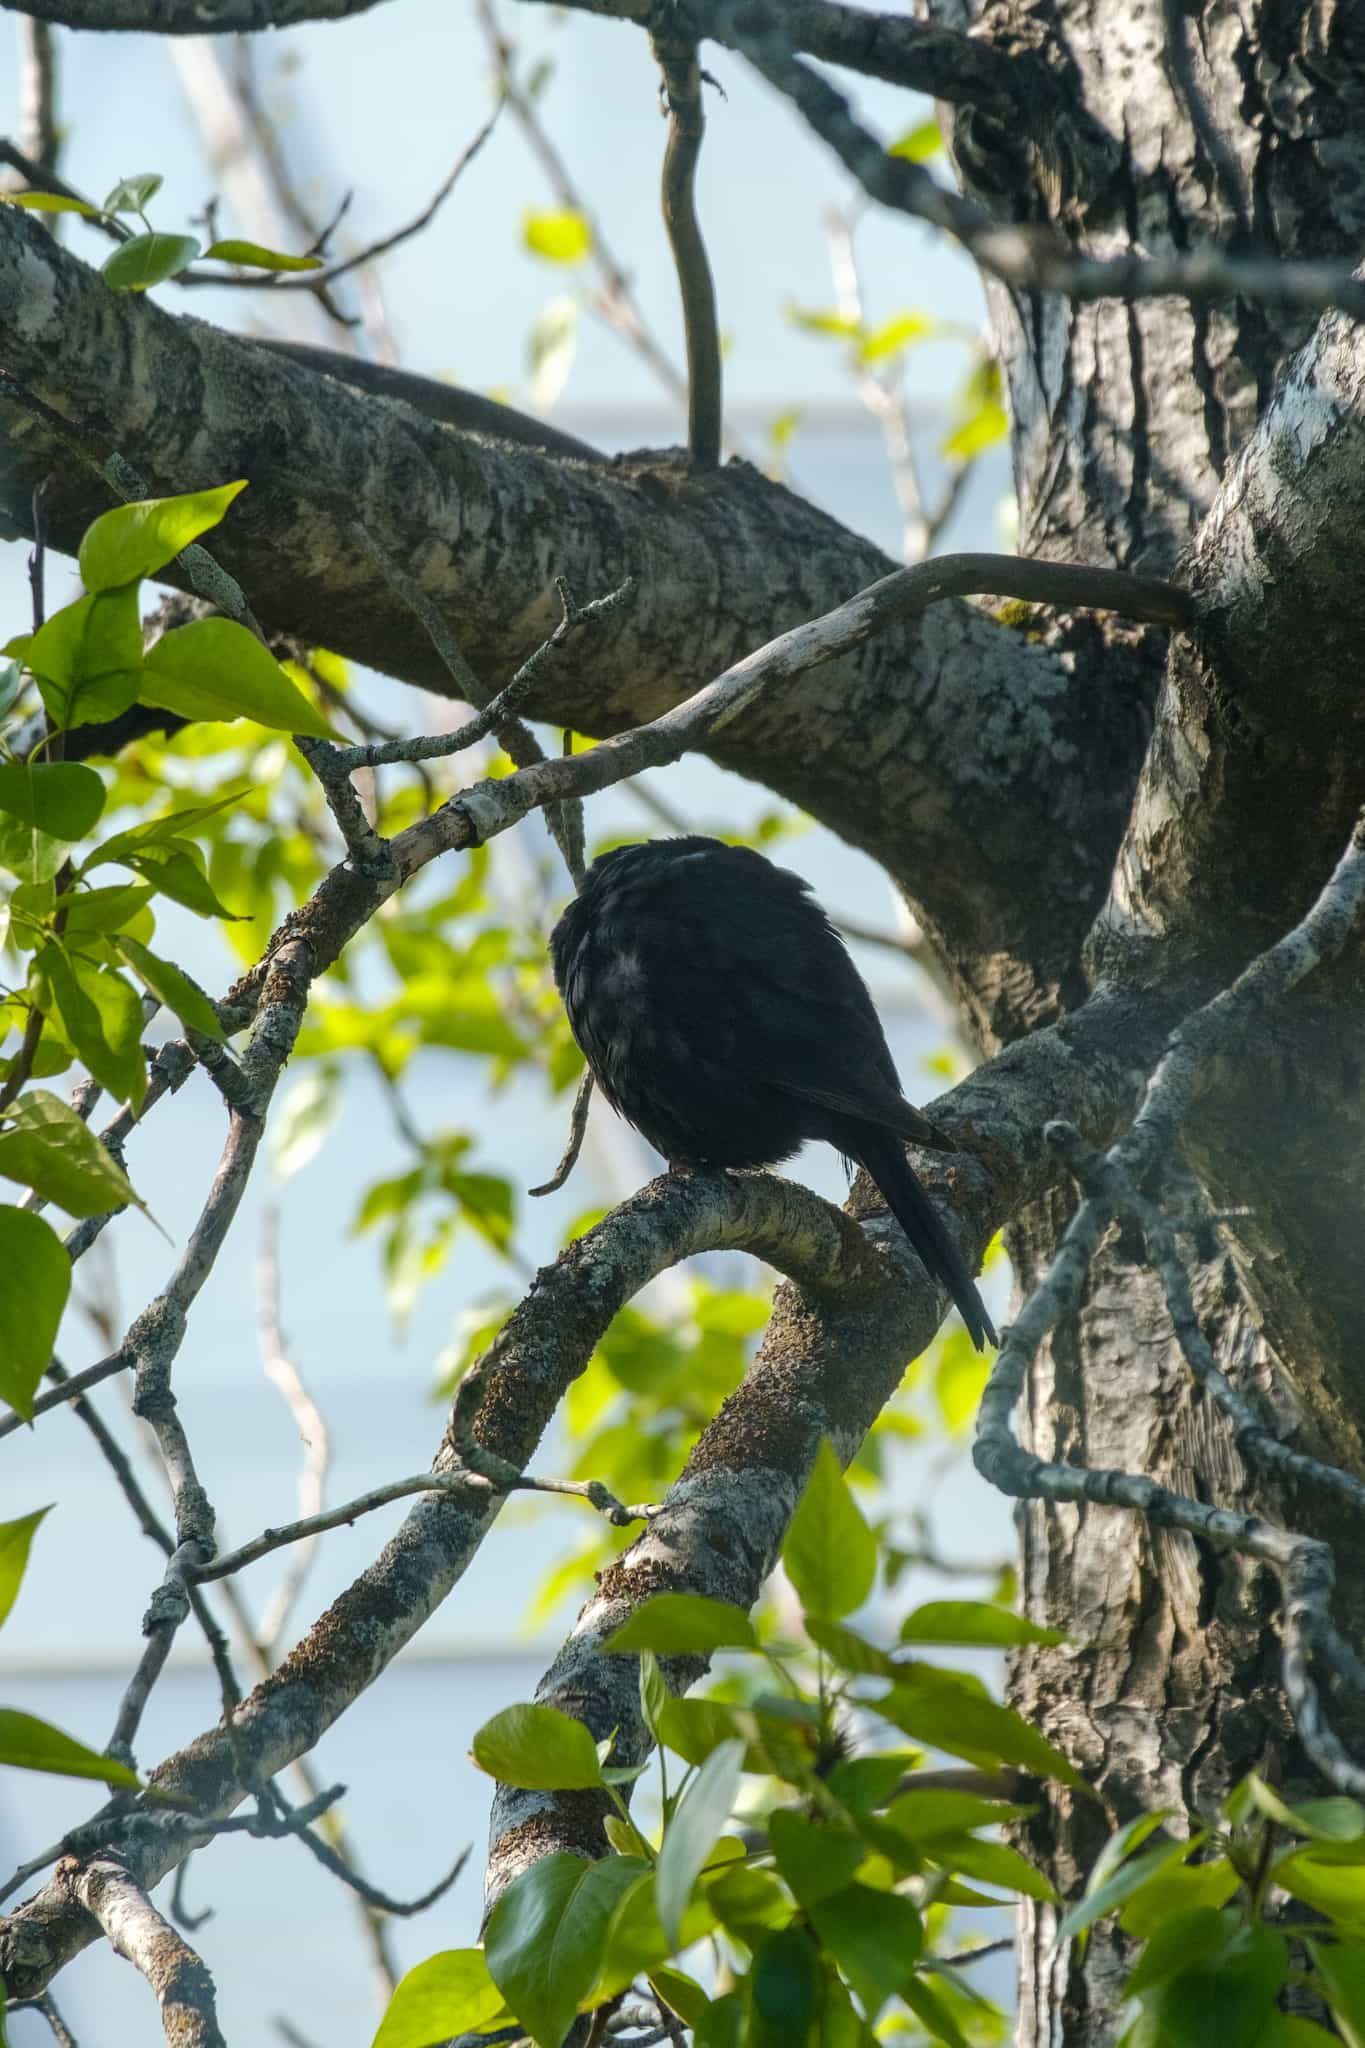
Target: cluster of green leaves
825, 1917
152, 257
1219, 1946
75, 941
979, 416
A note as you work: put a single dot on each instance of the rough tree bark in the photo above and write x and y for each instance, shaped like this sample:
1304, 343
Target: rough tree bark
1096, 826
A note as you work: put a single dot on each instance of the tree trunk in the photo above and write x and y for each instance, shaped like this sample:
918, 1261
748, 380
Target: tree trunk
1127, 418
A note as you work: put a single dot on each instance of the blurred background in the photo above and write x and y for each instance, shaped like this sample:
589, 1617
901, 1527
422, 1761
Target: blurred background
847, 340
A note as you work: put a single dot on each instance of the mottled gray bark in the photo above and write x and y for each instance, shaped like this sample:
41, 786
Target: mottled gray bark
1227, 439
1063, 866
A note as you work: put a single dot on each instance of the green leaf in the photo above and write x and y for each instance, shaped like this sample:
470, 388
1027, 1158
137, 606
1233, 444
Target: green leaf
994, 1863
747, 1902
214, 668
1182, 1888
173, 987
131, 195
722, 2025
61, 798
959, 1380
691, 1833
101, 1017
171, 826
35, 1280
681, 1993
849, 1650
134, 541
28, 853
784, 1990
144, 260
547, 1934
1129, 1878
49, 202
1184, 1940
683, 1624
874, 1937
47, 1147
636, 1941
176, 868
450, 1993
1327, 1884
816, 1861
896, 335
943, 1710
257, 258
1231, 1997
88, 658
561, 236
1342, 1969
830, 1553
933, 2013
975, 1624
33, 1745
15, 1540
539, 1749
95, 913
843, 326
918, 144
1330, 1820
920, 1816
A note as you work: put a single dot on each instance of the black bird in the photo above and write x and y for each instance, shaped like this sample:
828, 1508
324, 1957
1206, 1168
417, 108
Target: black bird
721, 1015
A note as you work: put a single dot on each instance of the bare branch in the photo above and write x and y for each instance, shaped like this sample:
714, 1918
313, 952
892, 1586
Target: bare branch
682, 85
282, 1372
136, 1931
1304, 1565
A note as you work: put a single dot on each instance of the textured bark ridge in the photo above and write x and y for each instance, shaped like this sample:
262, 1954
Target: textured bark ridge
1226, 439
1099, 826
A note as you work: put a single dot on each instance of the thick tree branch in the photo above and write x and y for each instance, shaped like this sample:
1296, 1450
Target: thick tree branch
183, 1987
1004, 845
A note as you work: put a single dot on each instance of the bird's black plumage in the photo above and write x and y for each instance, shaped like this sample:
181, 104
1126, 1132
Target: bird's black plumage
721, 1015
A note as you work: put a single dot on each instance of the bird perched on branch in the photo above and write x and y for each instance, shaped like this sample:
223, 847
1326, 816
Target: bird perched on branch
720, 1014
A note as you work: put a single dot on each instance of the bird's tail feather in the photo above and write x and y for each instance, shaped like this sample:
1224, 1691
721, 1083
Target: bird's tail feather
880, 1152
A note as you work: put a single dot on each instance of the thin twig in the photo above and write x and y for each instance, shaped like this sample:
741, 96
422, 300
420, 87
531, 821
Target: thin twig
1304, 1565
682, 78
309, 1420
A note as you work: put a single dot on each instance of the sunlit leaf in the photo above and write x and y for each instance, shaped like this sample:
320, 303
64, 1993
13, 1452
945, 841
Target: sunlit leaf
49, 202
173, 987
134, 541
546, 1937
560, 236
920, 143
255, 257
46, 1146
974, 1624
16, 1538
144, 260
88, 658
830, 1553
678, 1624
214, 668
537, 1748
132, 195
691, 1833
33, 1745
451, 1993
35, 1280
61, 798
